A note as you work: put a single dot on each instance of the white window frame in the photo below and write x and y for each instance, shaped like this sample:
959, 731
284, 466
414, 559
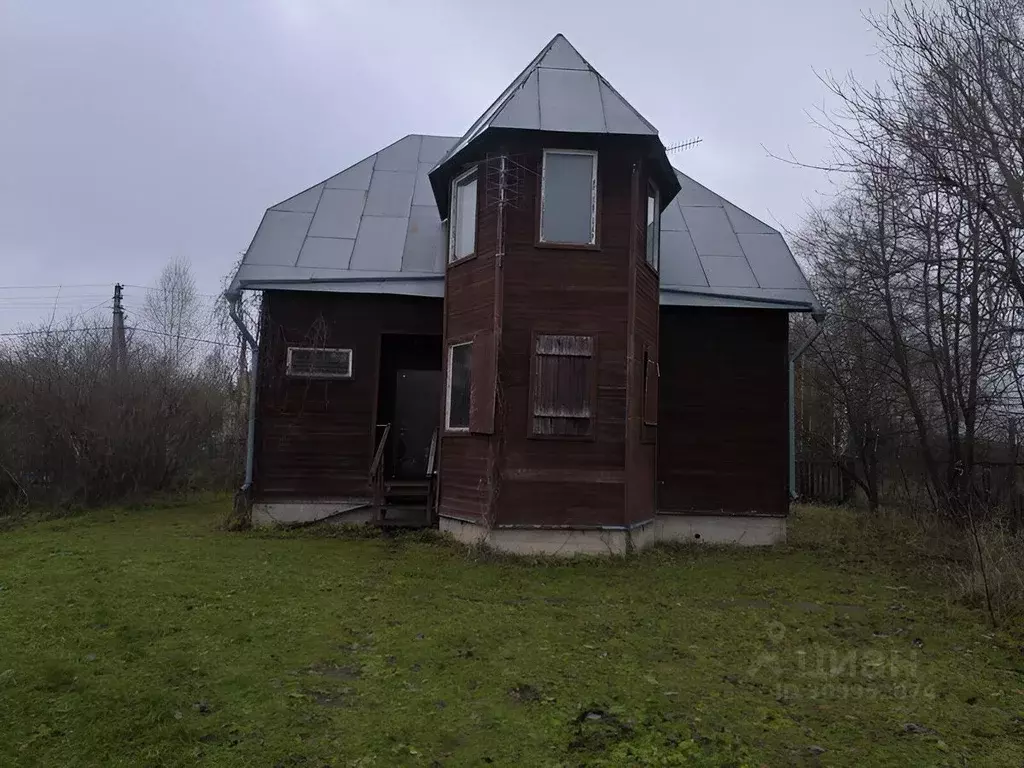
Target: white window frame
313, 374
448, 388
593, 194
653, 258
453, 216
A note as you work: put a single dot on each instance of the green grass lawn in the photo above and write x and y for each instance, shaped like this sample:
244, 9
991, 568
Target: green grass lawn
151, 637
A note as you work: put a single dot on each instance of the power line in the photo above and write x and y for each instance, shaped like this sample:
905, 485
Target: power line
107, 328
53, 331
40, 287
90, 285
17, 301
187, 338
49, 304
154, 288
90, 309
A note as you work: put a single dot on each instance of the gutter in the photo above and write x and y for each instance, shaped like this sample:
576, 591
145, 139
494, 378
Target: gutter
819, 318
250, 443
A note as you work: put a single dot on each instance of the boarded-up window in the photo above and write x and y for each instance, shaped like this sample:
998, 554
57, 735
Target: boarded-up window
316, 363
460, 381
563, 386
651, 383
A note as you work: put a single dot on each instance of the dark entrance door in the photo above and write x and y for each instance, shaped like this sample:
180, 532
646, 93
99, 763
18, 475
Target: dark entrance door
417, 415
409, 400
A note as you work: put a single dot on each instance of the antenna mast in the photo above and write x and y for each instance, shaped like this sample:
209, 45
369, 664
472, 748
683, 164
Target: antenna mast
684, 145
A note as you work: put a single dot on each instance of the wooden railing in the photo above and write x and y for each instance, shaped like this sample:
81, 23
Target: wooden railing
377, 472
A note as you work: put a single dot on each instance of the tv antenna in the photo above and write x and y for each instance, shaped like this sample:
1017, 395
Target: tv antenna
684, 145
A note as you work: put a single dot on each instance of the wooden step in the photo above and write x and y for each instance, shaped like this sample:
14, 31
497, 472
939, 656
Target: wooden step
403, 516
399, 484
406, 489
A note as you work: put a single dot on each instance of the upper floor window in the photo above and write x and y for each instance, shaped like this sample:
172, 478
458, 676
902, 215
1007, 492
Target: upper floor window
568, 197
462, 226
653, 225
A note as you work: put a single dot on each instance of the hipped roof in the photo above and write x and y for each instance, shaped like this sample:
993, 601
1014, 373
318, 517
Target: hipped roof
558, 92
374, 228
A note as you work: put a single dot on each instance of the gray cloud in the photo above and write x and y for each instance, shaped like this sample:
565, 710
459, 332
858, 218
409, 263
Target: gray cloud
135, 132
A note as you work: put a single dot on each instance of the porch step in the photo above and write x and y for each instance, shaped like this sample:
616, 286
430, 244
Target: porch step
403, 516
406, 489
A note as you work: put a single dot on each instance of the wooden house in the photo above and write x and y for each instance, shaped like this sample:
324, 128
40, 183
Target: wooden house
540, 335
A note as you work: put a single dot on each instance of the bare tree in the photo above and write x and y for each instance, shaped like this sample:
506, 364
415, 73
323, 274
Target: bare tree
920, 261
175, 313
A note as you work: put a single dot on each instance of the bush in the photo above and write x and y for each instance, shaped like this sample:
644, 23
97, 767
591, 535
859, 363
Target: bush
73, 431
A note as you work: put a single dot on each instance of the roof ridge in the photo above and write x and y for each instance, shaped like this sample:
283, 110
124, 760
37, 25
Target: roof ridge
503, 98
511, 108
420, 136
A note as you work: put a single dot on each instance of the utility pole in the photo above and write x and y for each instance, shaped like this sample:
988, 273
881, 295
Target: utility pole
118, 348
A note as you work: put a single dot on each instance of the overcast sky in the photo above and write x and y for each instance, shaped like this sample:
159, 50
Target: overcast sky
134, 132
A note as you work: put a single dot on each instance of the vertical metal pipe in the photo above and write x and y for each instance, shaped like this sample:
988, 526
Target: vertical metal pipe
792, 428
250, 443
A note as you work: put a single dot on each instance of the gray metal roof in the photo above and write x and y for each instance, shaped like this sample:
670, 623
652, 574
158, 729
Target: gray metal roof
559, 91
713, 253
374, 228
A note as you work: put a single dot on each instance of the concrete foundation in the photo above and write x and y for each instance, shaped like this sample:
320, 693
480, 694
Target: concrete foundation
297, 512
699, 529
721, 529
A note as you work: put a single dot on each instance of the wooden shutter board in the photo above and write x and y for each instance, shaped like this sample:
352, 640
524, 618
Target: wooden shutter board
483, 379
564, 345
552, 421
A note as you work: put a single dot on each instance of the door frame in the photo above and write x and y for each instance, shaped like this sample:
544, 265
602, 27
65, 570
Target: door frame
378, 359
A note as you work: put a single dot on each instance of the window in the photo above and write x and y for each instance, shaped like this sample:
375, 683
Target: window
563, 386
460, 379
316, 363
470, 389
462, 227
652, 375
568, 197
653, 226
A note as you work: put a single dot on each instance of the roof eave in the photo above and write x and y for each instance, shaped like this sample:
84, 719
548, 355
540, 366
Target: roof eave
442, 174
747, 299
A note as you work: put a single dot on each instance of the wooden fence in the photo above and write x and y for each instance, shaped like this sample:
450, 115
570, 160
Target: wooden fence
997, 483
823, 482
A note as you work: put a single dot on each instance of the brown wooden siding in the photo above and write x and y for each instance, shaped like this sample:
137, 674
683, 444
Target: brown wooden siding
722, 432
564, 291
643, 453
606, 293
314, 437
469, 315
463, 478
